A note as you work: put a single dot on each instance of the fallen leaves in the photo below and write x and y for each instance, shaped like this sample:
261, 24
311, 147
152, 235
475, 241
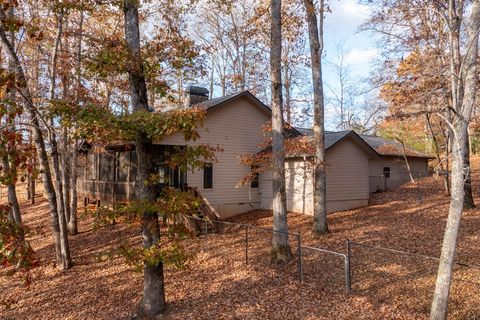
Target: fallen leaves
217, 284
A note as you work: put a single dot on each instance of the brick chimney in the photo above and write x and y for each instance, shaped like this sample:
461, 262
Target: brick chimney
194, 95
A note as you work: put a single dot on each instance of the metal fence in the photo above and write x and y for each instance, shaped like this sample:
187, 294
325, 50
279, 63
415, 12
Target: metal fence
406, 253
346, 263
391, 274
247, 244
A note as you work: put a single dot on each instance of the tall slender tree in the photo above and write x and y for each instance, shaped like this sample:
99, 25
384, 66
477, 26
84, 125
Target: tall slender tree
281, 252
72, 222
9, 163
463, 81
315, 33
153, 300
61, 246
55, 156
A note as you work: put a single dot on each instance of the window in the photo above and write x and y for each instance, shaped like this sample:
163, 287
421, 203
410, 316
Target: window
207, 175
255, 177
386, 172
168, 176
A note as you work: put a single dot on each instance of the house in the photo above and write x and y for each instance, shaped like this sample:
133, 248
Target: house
389, 170
347, 158
356, 165
234, 123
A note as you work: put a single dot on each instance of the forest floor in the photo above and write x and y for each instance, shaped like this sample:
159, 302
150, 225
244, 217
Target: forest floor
218, 284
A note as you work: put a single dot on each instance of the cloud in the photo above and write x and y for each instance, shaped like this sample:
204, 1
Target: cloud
347, 14
354, 9
358, 56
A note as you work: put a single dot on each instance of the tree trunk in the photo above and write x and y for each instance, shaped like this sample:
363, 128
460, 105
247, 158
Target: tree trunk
315, 34
65, 247
65, 143
32, 185
66, 173
281, 252
444, 275
9, 165
288, 89
72, 223
37, 136
468, 202
153, 300
463, 108
405, 158
439, 158
12, 192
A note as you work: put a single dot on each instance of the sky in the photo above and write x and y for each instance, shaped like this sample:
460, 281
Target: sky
342, 29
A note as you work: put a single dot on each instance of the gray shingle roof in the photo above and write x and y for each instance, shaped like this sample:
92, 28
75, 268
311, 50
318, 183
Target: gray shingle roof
383, 146
305, 131
391, 148
331, 137
217, 101
212, 103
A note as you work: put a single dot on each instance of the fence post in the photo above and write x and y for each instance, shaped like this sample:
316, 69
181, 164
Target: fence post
348, 280
300, 258
246, 245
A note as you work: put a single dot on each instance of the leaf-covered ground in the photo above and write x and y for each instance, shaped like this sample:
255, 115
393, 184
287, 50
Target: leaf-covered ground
217, 284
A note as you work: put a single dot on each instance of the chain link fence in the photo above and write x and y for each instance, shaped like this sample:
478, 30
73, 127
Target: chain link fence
389, 274
243, 246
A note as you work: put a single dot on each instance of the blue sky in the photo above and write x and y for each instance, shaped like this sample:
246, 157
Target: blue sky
342, 29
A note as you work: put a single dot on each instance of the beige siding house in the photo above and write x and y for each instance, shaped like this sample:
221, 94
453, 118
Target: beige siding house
234, 124
347, 159
356, 165
390, 170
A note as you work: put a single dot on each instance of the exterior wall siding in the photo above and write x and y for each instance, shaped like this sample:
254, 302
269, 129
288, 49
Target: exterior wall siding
398, 172
347, 181
236, 128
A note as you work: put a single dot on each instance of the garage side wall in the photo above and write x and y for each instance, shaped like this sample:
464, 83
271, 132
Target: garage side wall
398, 172
347, 181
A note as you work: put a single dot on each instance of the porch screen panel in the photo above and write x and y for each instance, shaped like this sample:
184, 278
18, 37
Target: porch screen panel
91, 166
106, 167
123, 163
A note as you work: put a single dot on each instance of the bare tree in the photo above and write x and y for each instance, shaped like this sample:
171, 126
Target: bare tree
72, 222
62, 217
463, 81
315, 32
281, 252
61, 247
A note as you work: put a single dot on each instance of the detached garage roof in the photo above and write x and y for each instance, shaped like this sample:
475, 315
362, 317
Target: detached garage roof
303, 145
392, 148
383, 147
